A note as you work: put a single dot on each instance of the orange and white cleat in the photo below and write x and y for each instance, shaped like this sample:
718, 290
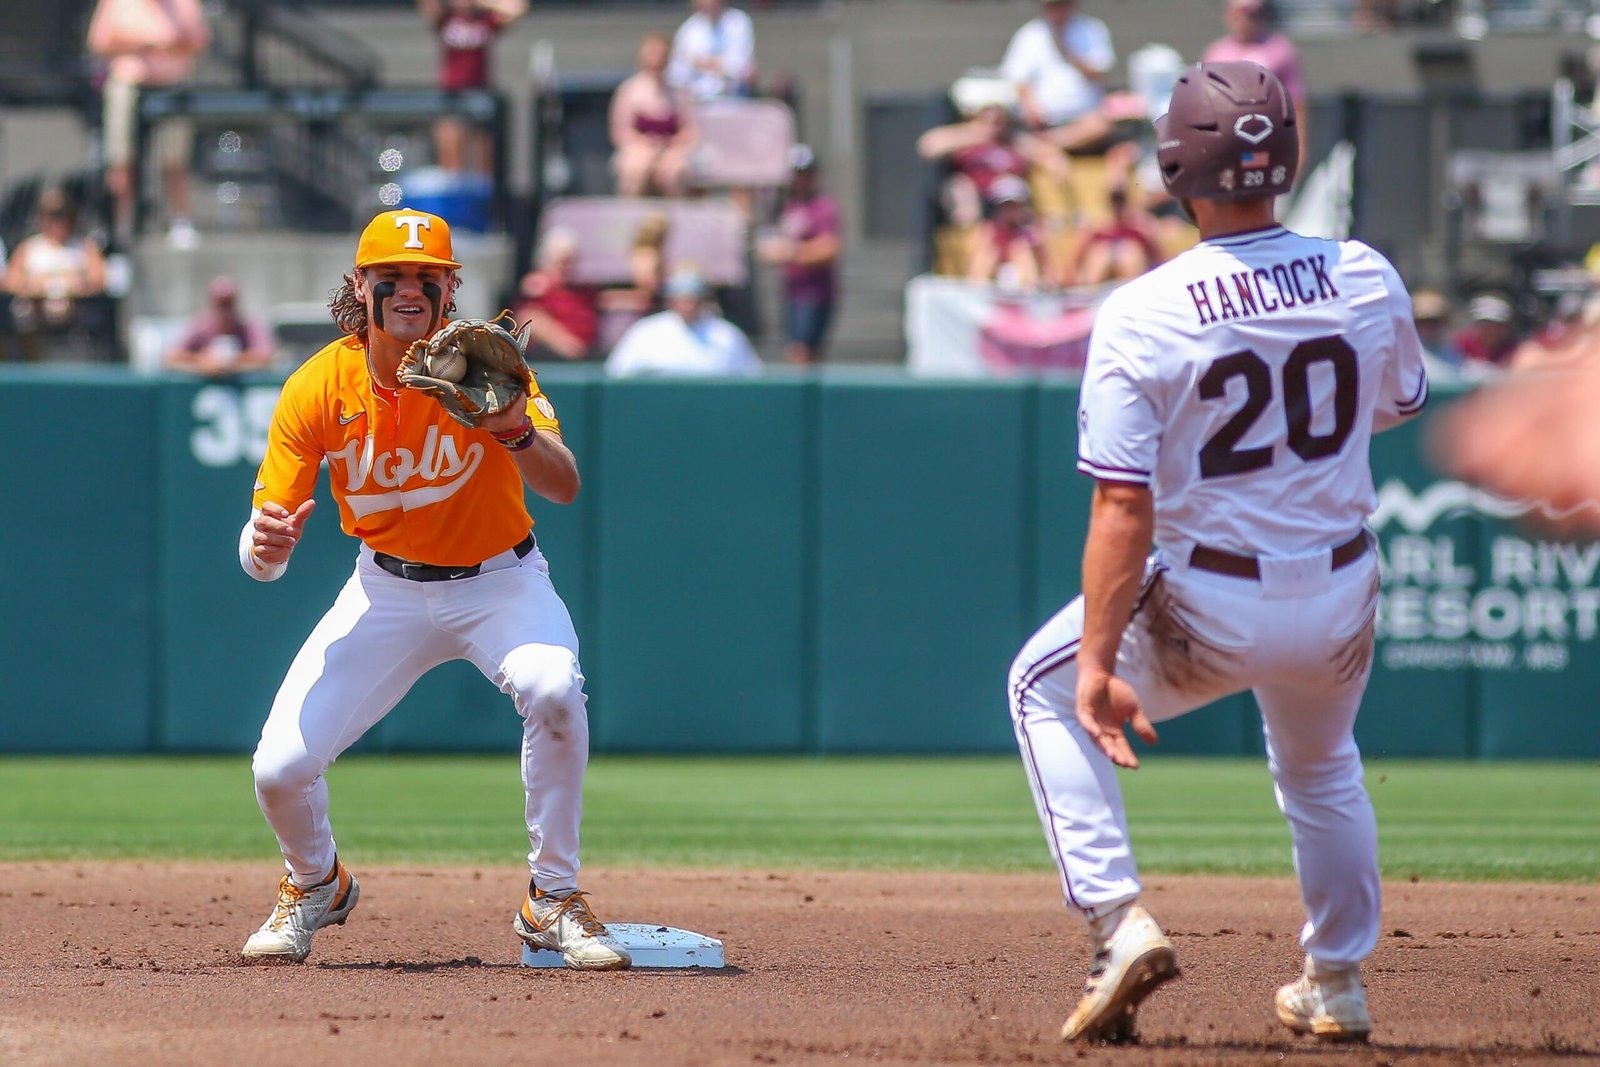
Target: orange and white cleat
301, 912
564, 924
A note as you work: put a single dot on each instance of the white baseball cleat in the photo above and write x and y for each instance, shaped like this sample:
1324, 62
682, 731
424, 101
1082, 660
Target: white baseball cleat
1134, 962
565, 924
300, 912
1326, 1002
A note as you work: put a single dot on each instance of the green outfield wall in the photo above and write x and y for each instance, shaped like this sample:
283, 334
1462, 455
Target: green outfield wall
843, 562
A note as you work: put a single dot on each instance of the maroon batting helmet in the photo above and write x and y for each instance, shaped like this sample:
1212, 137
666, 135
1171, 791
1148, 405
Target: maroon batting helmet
1228, 134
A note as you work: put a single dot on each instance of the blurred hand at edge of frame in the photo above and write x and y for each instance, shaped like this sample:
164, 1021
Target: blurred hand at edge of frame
1534, 436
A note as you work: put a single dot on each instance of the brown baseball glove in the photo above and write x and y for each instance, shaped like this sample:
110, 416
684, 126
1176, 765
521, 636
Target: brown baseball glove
472, 367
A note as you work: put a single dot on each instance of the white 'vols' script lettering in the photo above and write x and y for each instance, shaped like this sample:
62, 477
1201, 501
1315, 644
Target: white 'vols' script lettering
392, 470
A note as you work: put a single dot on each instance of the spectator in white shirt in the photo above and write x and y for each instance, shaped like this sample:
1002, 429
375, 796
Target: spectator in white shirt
686, 339
1057, 62
713, 52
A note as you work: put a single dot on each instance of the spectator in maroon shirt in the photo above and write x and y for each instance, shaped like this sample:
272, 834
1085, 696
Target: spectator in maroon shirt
221, 341
564, 317
466, 30
1009, 249
1488, 337
1122, 247
980, 150
807, 248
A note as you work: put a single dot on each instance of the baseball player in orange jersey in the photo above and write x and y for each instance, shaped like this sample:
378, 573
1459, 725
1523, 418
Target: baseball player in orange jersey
1228, 403
447, 569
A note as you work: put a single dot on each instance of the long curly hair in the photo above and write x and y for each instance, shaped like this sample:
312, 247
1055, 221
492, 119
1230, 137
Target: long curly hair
349, 310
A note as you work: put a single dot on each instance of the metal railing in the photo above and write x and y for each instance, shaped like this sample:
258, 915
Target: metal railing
310, 160
272, 45
291, 128
42, 58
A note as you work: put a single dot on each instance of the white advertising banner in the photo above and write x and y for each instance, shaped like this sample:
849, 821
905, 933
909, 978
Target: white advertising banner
961, 329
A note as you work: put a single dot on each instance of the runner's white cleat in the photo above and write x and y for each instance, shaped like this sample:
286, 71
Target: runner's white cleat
565, 924
1134, 962
1327, 1003
299, 913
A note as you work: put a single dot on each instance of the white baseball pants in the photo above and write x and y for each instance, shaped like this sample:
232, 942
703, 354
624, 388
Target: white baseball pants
382, 634
1301, 640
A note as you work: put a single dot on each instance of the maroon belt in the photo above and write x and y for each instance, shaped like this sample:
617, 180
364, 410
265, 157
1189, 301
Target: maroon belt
1237, 566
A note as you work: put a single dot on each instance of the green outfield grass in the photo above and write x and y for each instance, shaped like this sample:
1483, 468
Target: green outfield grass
1473, 821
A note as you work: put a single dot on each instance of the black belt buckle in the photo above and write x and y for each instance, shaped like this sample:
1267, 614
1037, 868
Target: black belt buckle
423, 572
428, 572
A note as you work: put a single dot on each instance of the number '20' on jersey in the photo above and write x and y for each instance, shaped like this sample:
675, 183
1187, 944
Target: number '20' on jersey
1243, 380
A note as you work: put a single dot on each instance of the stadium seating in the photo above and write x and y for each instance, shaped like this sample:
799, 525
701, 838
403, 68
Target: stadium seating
743, 143
711, 233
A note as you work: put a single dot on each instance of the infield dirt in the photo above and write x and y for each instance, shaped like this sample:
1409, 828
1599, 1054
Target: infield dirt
136, 963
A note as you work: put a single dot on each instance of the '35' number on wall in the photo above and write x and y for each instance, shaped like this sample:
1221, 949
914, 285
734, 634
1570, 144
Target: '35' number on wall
231, 423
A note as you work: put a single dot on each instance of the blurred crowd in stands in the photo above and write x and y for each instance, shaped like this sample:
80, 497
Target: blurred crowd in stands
689, 126
1047, 180
1045, 175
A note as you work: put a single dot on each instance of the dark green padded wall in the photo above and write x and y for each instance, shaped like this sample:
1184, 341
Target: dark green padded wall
703, 548
833, 562
78, 588
924, 563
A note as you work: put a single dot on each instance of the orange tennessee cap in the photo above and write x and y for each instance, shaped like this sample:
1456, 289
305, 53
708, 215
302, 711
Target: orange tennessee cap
406, 237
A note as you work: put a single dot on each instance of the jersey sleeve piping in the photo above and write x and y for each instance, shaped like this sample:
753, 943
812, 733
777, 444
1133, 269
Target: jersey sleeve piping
1114, 474
1418, 400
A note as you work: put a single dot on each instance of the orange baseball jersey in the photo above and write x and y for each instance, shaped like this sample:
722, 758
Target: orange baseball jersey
409, 480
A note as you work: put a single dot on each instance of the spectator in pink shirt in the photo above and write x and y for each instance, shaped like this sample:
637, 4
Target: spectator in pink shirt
1253, 36
146, 44
652, 127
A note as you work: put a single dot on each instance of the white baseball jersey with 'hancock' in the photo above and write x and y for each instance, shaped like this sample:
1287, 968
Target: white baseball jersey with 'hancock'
1242, 382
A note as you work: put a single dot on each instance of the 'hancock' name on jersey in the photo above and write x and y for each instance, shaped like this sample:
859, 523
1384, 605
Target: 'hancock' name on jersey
1242, 382
1262, 290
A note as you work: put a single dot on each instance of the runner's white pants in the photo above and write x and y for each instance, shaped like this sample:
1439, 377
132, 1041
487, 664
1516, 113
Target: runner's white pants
382, 634
1301, 640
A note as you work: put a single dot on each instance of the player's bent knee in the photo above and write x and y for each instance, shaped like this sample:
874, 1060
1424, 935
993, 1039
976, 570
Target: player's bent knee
1021, 668
542, 677
285, 774
1316, 775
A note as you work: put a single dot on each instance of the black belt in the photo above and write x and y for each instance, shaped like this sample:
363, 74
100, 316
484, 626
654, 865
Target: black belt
1220, 562
427, 572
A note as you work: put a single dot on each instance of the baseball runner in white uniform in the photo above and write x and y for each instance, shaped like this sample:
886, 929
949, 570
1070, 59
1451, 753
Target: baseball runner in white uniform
1227, 407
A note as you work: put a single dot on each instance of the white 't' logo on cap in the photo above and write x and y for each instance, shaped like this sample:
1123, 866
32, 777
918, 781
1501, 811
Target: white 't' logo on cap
413, 223
1253, 128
